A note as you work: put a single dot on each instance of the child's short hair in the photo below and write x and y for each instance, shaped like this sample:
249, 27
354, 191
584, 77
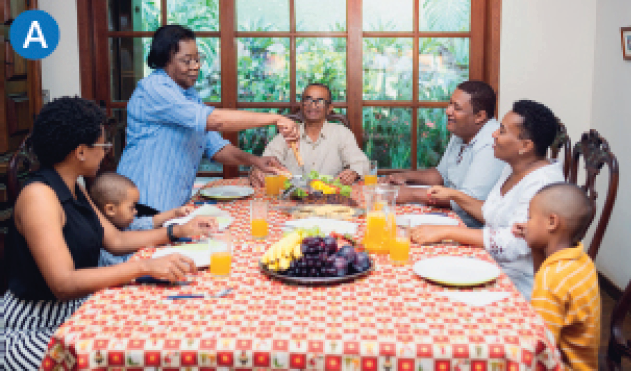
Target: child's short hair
571, 203
110, 188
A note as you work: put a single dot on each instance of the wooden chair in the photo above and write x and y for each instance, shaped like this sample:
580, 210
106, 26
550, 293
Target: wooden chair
596, 153
22, 162
619, 346
562, 142
3, 268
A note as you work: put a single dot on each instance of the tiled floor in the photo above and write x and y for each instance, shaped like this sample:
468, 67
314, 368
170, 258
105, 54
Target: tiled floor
607, 308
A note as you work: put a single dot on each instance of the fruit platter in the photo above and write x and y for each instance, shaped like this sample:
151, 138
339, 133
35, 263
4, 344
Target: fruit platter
320, 189
307, 257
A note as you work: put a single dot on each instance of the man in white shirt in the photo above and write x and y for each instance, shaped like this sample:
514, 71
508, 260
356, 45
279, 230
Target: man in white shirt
329, 149
468, 163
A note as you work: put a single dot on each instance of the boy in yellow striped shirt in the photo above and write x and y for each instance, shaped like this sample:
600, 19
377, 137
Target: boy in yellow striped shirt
565, 291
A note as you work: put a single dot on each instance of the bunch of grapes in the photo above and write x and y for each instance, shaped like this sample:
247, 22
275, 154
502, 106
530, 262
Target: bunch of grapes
321, 258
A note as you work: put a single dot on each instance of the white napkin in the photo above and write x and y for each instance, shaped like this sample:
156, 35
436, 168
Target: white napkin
326, 225
223, 217
475, 298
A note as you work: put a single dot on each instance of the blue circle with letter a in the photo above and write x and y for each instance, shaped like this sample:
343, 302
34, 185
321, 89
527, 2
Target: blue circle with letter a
34, 34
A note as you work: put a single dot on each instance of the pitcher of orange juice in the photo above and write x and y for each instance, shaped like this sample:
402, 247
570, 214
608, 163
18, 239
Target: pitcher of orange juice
380, 218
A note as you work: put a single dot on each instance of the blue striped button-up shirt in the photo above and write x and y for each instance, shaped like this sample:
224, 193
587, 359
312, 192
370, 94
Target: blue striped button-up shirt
166, 139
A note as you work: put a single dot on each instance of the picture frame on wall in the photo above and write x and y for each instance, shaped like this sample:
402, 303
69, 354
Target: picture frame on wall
626, 42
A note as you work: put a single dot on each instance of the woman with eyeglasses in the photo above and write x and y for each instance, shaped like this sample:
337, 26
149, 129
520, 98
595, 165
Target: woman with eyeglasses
56, 234
328, 148
522, 142
169, 128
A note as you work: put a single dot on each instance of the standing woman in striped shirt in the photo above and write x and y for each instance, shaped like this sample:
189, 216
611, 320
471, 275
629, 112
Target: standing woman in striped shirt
169, 128
56, 234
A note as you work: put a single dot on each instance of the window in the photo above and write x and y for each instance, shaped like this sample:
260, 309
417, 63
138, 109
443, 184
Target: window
390, 65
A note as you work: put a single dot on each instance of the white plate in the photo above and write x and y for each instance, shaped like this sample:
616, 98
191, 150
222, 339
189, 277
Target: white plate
199, 252
326, 225
456, 270
227, 192
223, 217
426, 219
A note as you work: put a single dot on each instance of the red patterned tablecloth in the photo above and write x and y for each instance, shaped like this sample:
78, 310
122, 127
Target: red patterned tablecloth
390, 320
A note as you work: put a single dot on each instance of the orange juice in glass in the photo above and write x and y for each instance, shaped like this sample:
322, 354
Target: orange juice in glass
400, 246
271, 185
281, 183
371, 177
221, 255
258, 218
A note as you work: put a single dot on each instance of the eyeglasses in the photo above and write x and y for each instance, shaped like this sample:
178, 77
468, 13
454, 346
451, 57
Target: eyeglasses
188, 61
106, 146
318, 102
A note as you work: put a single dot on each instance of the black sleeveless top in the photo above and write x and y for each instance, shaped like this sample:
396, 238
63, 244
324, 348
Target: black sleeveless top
82, 232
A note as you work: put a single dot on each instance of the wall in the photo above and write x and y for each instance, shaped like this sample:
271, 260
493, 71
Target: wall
611, 110
547, 55
60, 71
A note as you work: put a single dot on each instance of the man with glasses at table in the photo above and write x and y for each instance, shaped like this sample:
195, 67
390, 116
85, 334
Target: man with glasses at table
468, 164
329, 149
169, 128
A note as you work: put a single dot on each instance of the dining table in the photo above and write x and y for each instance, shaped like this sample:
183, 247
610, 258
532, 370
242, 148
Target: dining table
390, 319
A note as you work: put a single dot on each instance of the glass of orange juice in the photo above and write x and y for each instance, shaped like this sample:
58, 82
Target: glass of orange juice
281, 183
258, 218
400, 246
371, 177
271, 184
220, 254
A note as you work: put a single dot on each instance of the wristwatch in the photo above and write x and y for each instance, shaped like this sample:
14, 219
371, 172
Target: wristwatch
172, 238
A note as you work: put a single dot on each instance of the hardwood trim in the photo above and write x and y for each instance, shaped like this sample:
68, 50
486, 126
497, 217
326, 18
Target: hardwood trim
401, 34
87, 75
101, 55
415, 76
354, 68
280, 105
476, 44
492, 44
198, 34
163, 11
403, 103
284, 34
292, 53
227, 22
4, 139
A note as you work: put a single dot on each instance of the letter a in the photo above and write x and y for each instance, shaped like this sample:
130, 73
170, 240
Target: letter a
35, 26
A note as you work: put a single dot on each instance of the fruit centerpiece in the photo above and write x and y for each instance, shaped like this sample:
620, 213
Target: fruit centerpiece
322, 189
309, 257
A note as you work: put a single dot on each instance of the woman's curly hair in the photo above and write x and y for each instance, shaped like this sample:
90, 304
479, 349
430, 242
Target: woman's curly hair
64, 124
540, 125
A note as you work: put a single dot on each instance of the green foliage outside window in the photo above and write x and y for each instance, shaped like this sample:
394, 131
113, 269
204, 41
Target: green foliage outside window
263, 74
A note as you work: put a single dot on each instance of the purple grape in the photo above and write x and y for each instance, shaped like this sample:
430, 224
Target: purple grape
313, 272
304, 272
304, 247
361, 263
309, 241
329, 260
348, 252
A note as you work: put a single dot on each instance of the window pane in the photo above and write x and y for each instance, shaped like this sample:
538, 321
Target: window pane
209, 81
128, 63
133, 15
331, 15
387, 69
432, 136
321, 60
255, 140
387, 136
263, 69
445, 15
393, 15
263, 15
198, 15
443, 64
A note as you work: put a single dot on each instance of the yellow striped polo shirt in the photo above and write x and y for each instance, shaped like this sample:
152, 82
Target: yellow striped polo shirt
566, 295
